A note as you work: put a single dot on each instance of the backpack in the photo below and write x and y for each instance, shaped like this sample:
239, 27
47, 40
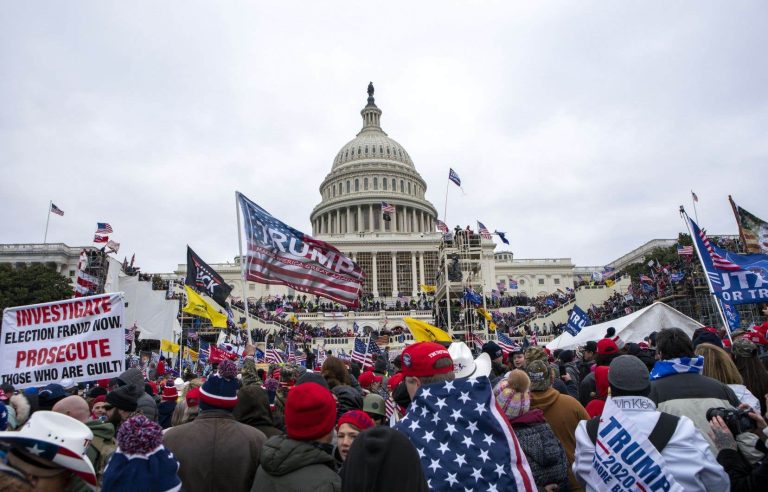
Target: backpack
660, 435
104, 449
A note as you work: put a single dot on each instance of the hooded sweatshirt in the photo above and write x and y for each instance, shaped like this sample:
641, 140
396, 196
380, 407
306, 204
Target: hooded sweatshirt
253, 409
288, 465
102, 446
146, 405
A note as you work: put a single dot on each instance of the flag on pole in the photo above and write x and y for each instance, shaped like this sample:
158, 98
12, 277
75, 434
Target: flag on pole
360, 353
279, 254
442, 227
198, 306
753, 231
204, 352
453, 176
424, 332
100, 239
113, 246
484, 233
507, 344
477, 340
103, 228
695, 198
205, 279
502, 236
387, 211
56, 210
685, 250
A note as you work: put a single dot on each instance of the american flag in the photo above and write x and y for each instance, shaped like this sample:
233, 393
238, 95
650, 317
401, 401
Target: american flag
103, 228
360, 353
301, 357
291, 355
100, 239
442, 227
719, 261
382, 341
387, 208
646, 278
390, 406
203, 352
454, 177
321, 355
274, 356
685, 250
534, 338
507, 344
130, 333
484, 233
280, 254
61, 456
464, 440
477, 340
56, 210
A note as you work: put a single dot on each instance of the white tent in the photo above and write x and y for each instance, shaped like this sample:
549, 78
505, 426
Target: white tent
632, 327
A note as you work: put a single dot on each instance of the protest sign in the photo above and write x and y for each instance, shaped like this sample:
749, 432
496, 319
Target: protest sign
82, 339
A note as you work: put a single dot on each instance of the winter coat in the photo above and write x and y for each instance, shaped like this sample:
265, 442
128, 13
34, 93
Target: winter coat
692, 395
545, 454
146, 405
215, 452
165, 413
686, 455
102, 446
288, 465
587, 389
563, 413
253, 409
347, 398
743, 476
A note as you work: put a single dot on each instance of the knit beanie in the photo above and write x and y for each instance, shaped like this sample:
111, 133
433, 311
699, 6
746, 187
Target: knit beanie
357, 419
141, 462
220, 390
310, 412
169, 392
123, 398
513, 394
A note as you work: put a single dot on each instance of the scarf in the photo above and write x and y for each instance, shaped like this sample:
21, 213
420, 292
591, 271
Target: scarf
682, 365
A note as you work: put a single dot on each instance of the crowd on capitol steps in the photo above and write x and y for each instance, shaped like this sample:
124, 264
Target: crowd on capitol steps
676, 412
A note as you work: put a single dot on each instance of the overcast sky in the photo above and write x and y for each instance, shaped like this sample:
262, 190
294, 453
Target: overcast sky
576, 127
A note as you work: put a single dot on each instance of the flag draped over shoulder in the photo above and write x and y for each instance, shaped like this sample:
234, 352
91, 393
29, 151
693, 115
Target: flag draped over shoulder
198, 306
463, 440
424, 332
735, 278
280, 254
205, 279
753, 231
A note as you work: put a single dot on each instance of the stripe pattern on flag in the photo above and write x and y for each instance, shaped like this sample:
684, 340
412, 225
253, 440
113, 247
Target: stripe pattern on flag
718, 261
484, 232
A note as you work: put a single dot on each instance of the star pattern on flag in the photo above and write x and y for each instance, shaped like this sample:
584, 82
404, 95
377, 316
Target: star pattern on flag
463, 442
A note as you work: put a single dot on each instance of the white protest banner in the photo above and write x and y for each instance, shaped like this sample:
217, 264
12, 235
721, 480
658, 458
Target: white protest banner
82, 339
625, 460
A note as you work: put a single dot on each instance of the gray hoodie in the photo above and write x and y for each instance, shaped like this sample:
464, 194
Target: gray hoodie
147, 405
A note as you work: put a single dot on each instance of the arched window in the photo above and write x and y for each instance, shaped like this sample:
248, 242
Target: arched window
402, 186
365, 183
375, 183
347, 186
340, 189
384, 182
333, 190
394, 185
409, 187
357, 184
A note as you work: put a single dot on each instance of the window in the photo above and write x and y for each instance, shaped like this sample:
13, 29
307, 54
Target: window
384, 182
541, 281
340, 189
347, 186
402, 186
394, 185
375, 183
365, 183
409, 187
366, 149
557, 281
71, 273
333, 190
357, 184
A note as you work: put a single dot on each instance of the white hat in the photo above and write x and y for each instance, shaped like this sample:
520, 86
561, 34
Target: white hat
57, 438
67, 384
179, 384
464, 366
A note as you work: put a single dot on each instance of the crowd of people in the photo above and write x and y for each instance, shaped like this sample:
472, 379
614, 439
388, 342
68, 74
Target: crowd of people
675, 411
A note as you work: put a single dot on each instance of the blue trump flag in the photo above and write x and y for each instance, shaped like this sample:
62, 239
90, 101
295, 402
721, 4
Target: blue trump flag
472, 296
577, 320
734, 278
732, 315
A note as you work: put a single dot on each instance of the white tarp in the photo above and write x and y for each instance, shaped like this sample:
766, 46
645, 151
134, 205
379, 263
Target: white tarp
154, 315
632, 327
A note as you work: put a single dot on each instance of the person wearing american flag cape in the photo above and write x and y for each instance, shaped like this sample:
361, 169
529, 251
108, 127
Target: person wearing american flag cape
462, 438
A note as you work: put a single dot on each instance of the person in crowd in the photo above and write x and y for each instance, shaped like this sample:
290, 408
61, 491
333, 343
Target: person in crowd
98, 412
168, 405
121, 403
719, 365
133, 378
425, 363
744, 476
518, 358
18, 406
347, 398
753, 373
595, 406
382, 459
50, 395
562, 384
335, 372
215, 451
305, 454
3, 416
569, 366
376, 408
47, 454
607, 350
562, 412
686, 456
348, 427
497, 359
588, 352
544, 452
370, 381
141, 462
641, 351
102, 446
677, 384
188, 406
253, 409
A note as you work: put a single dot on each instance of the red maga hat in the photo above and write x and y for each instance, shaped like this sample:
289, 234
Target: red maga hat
419, 359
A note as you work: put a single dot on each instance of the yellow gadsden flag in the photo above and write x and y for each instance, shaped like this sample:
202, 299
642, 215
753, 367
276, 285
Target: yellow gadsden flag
485, 314
197, 306
424, 332
190, 354
169, 346
428, 289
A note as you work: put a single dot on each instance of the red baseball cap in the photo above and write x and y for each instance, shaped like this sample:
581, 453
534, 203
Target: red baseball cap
394, 381
755, 337
606, 346
367, 378
420, 358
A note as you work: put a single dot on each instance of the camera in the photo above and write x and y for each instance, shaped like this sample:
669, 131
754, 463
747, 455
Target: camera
738, 421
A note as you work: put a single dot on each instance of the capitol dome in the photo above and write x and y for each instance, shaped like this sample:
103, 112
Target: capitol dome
369, 172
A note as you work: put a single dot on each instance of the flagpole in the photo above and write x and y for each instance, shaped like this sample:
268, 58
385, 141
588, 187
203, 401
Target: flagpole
445, 209
695, 212
48, 220
242, 267
706, 275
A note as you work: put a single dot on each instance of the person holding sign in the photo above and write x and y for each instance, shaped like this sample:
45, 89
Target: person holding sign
633, 446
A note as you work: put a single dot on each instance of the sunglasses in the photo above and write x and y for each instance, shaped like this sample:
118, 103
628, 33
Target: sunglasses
108, 407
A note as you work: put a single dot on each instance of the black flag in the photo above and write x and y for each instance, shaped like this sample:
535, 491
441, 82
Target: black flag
204, 279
